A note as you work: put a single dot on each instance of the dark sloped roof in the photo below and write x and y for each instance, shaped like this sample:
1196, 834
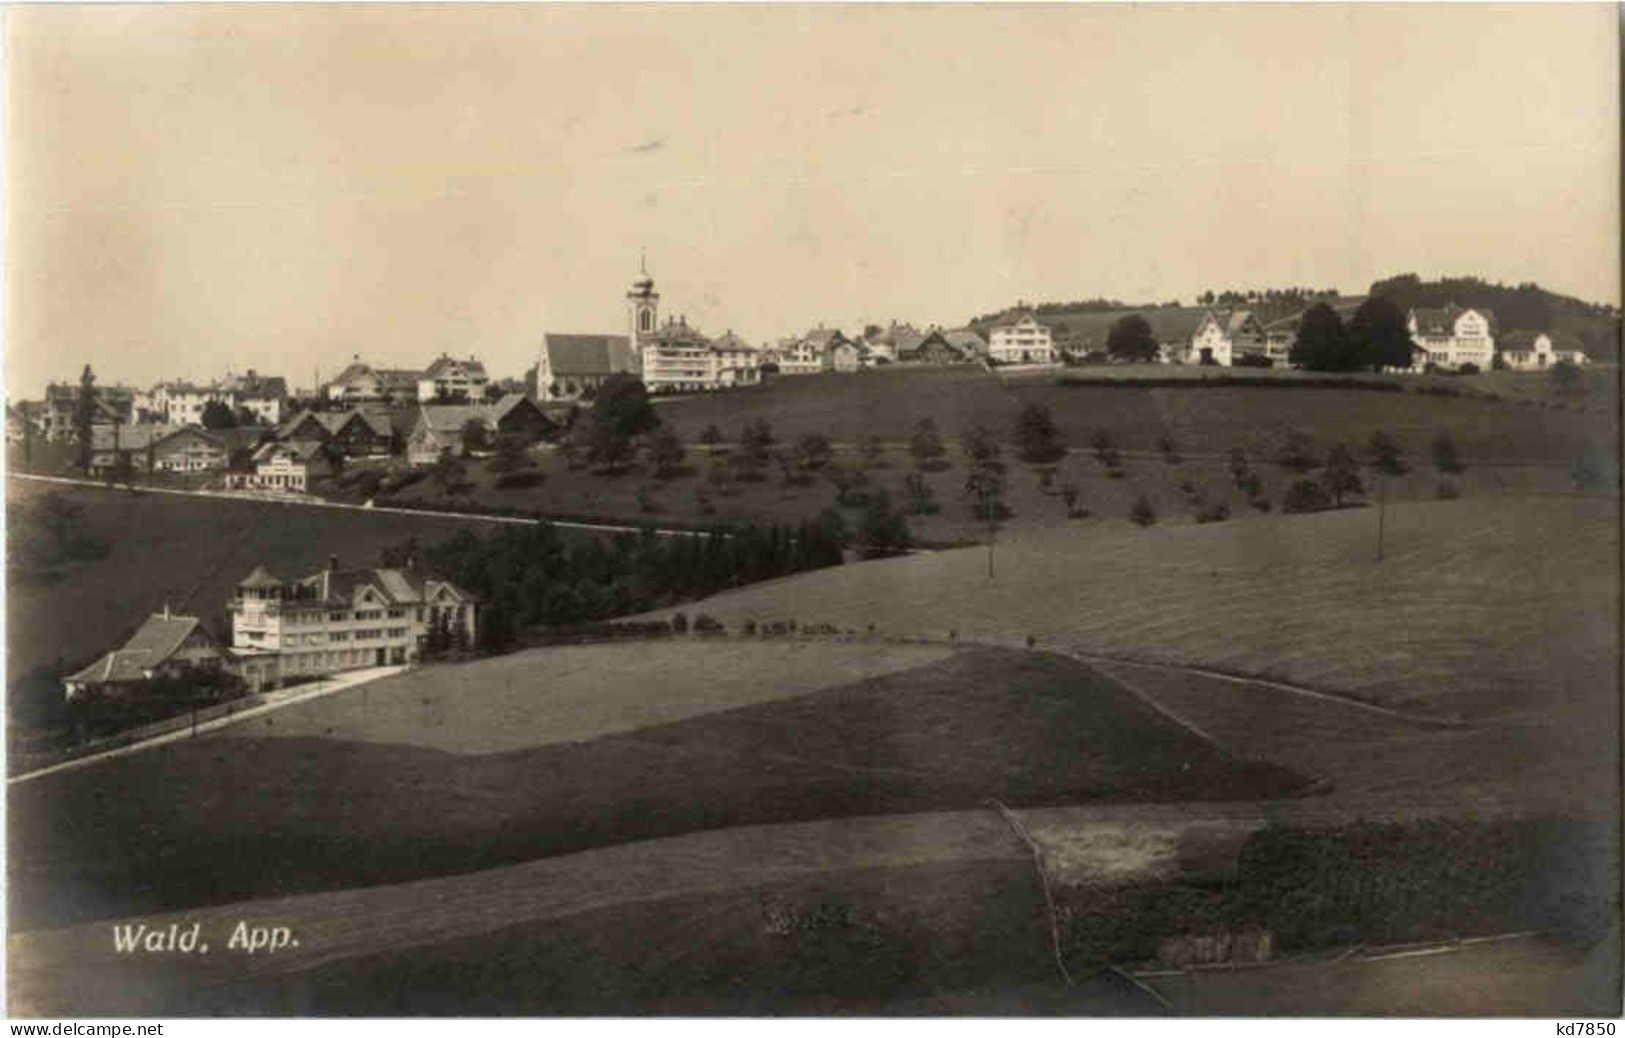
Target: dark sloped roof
396, 586
153, 643
1441, 320
965, 339
443, 364
572, 354
261, 577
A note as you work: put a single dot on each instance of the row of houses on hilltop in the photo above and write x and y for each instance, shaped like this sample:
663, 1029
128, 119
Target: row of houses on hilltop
1445, 338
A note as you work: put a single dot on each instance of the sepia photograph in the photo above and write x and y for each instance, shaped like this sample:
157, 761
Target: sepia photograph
784, 510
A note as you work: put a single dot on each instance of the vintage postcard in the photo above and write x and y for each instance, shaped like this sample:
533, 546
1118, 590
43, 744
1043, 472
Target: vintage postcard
771, 510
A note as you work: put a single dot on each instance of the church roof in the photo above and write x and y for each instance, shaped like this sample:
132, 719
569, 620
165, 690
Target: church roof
572, 354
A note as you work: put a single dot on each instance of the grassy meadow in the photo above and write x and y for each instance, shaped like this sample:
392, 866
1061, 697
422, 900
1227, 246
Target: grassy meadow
1477, 610
234, 816
1523, 445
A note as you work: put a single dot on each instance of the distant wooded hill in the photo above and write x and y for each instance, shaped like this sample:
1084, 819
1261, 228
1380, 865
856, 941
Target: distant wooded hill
1524, 306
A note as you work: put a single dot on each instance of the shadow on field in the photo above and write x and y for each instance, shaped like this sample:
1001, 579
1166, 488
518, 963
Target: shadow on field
221, 820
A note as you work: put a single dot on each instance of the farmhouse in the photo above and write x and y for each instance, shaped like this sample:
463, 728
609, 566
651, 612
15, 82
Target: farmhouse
114, 405
438, 428
358, 431
1454, 335
451, 379
283, 467
797, 356
362, 383
165, 645
1021, 341
159, 448
262, 396
1224, 335
341, 619
890, 345
934, 349
1533, 351
967, 341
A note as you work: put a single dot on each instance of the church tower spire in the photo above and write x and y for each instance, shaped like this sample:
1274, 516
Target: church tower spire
642, 305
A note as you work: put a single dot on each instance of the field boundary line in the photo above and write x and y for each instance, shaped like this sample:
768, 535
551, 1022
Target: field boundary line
184, 730
1025, 837
314, 502
1421, 720
1350, 956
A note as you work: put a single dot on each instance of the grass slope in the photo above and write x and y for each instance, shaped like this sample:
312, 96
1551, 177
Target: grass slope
1520, 447
228, 819
547, 696
1476, 611
889, 404
186, 551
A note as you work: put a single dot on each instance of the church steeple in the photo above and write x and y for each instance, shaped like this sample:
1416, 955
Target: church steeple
642, 304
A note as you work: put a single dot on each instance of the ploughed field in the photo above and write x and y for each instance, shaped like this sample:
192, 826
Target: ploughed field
242, 816
188, 552
1505, 608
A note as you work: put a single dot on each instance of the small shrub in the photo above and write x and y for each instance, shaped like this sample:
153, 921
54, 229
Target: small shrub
1217, 512
1261, 504
1143, 513
1169, 449
679, 623
748, 628
1468, 369
520, 479
1448, 490
1116, 471
705, 623
1305, 495
1070, 495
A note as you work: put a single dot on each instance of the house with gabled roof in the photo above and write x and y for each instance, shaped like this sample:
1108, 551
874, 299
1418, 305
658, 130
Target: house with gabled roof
362, 383
282, 467
1454, 335
1535, 351
360, 432
1221, 336
165, 645
451, 379
1021, 340
934, 348
113, 405
338, 619
438, 428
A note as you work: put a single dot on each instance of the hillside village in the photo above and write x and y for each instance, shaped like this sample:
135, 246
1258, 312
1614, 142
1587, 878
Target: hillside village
382, 429
254, 432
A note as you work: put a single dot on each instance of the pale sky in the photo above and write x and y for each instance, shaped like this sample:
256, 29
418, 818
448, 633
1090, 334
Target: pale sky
192, 189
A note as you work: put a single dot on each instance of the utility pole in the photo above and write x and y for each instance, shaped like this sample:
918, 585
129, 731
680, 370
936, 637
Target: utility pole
1382, 510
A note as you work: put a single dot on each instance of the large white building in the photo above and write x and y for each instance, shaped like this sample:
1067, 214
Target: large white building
1021, 341
344, 619
453, 379
1451, 336
675, 357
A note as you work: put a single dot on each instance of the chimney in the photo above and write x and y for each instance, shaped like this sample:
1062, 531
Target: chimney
332, 563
